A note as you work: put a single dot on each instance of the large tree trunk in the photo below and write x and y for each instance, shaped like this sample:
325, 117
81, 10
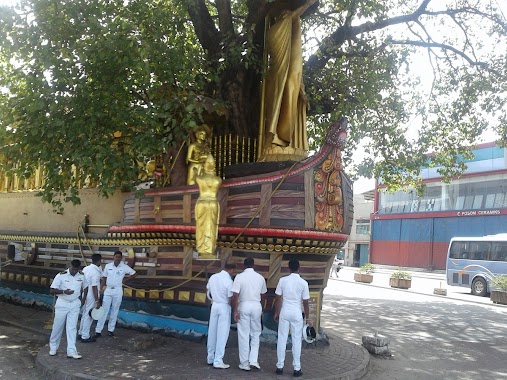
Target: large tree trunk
241, 90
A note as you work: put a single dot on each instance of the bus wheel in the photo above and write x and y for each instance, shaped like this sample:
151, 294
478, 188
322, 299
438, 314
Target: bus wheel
479, 287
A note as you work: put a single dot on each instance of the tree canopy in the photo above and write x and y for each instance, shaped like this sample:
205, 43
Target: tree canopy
99, 85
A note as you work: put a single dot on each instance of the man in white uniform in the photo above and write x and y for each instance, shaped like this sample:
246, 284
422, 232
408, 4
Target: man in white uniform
92, 273
248, 288
290, 291
112, 280
67, 285
219, 288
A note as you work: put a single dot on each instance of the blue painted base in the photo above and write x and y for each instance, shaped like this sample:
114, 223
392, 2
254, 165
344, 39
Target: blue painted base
126, 318
142, 315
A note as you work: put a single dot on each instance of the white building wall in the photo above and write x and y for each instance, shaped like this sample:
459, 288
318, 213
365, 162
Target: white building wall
363, 207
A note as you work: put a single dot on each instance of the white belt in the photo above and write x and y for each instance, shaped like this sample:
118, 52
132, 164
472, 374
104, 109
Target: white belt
63, 299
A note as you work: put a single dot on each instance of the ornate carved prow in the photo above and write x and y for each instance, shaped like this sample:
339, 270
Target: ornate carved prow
328, 183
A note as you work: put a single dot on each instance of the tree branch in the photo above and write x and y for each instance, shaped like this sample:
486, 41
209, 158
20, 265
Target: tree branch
319, 59
225, 17
443, 47
208, 35
351, 13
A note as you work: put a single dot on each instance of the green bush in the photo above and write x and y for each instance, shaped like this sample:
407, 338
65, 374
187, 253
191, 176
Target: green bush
499, 283
367, 268
401, 275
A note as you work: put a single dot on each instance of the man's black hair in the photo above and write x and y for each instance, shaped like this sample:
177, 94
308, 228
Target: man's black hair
249, 262
96, 257
117, 253
294, 265
75, 263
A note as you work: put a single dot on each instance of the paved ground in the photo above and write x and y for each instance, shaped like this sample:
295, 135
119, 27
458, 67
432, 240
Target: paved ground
431, 337
135, 355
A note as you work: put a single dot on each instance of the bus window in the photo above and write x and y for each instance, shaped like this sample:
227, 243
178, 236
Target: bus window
499, 251
479, 251
457, 250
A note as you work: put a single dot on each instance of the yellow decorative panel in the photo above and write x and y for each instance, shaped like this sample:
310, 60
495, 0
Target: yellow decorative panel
168, 295
315, 306
19, 277
27, 278
200, 297
35, 279
153, 295
127, 292
140, 293
184, 296
43, 280
4, 275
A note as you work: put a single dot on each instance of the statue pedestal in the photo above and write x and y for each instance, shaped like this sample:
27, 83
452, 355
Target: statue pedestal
283, 153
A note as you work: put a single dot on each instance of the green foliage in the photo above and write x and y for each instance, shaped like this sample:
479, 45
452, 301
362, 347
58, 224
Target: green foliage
499, 283
75, 75
367, 268
86, 72
401, 275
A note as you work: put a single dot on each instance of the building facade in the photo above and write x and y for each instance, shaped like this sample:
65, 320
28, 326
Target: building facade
356, 250
414, 231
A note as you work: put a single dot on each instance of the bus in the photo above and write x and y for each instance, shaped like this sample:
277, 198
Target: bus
472, 262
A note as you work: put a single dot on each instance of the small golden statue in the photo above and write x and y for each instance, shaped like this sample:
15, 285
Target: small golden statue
197, 154
207, 210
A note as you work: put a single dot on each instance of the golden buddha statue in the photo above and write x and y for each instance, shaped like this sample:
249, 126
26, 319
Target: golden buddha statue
207, 210
197, 154
284, 134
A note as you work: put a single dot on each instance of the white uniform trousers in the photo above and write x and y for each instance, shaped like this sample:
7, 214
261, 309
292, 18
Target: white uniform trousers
66, 315
249, 331
218, 332
112, 300
294, 319
86, 320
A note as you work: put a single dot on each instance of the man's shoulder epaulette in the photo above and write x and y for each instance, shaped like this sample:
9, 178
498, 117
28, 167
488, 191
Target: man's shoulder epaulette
63, 272
81, 272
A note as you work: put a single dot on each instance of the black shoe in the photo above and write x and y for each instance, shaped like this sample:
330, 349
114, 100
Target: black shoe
97, 335
89, 340
279, 371
110, 333
297, 373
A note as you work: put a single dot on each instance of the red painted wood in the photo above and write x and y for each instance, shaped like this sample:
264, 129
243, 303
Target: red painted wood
320, 235
409, 254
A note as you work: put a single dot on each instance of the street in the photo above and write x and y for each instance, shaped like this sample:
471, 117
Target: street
431, 337
19, 348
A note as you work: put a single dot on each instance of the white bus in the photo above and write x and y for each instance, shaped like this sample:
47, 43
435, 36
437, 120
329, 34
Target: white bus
473, 261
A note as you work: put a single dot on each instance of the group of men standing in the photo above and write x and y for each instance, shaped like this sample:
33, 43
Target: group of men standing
72, 284
245, 297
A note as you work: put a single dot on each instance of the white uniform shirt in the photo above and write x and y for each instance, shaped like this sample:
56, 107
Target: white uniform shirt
293, 290
64, 280
250, 285
219, 285
114, 274
92, 274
